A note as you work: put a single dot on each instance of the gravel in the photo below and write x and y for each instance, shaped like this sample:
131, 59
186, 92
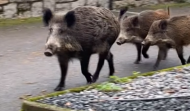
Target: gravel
165, 91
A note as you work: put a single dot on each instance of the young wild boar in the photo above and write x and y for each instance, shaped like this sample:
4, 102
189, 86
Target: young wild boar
80, 33
169, 33
135, 28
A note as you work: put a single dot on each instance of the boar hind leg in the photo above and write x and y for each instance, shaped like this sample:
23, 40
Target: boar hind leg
101, 60
144, 51
166, 54
63, 63
179, 50
188, 61
110, 63
84, 67
161, 54
138, 46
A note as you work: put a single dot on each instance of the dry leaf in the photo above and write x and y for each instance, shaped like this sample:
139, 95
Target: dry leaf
25, 96
68, 104
170, 91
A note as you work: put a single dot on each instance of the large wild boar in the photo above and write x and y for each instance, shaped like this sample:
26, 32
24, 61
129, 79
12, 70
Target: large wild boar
169, 33
80, 33
135, 28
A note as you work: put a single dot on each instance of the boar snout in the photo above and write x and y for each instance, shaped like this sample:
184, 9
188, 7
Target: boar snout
121, 41
50, 50
48, 53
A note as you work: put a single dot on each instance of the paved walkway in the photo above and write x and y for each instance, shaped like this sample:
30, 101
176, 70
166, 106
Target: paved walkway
26, 71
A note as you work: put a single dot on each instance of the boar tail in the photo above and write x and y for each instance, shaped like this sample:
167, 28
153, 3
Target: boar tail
168, 9
122, 12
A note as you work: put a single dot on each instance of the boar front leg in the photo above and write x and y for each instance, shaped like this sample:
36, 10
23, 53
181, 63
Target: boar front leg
144, 51
166, 54
101, 60
161, 54
179, 50
138, 46
188, 60
110, 63
63, 63
84, 61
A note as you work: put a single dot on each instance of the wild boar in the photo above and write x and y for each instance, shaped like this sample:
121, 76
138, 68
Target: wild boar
169, 33
79, 33
135, 28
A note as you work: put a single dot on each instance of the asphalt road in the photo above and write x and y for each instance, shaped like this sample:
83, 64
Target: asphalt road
24, 70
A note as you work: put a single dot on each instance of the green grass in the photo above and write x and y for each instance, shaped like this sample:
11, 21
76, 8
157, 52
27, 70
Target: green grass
13, 22
173, 5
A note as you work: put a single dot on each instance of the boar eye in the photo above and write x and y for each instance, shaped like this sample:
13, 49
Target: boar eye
60, 31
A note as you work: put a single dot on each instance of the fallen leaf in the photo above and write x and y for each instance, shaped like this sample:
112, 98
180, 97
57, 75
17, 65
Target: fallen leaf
68, 104
91, 109
170, 91
178, 76
25, 96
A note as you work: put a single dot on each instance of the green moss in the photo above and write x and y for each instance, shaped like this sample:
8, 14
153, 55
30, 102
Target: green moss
78, 89
108, 87
12, 22
174, 5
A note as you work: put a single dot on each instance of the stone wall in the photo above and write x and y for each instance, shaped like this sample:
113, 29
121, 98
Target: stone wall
33, 8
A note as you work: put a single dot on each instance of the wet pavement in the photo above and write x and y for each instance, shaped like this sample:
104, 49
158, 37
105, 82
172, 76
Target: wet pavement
26, 71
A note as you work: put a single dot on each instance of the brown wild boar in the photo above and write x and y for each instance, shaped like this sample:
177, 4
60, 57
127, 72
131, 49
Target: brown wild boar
169, 33
80, 33
135, 28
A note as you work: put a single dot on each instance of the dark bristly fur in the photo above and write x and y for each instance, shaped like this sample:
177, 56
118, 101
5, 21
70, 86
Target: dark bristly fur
135, 28
80, 33
173, 32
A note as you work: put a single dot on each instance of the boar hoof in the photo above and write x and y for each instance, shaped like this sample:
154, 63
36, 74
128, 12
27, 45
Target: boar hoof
58, 88
118, 43
146, 56
94, 79
137, 62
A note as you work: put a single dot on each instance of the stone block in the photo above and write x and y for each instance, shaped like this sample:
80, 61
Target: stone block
10, 10
23, 6
49, 4
78, 3
63, 6
24, 0
64, 1
25, 14
37, 9
92, 2
3, 2
103, 3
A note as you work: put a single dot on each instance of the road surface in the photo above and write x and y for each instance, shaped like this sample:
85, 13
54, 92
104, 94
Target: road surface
26, 71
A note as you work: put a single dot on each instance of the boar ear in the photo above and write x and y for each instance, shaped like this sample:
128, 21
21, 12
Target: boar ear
70, 18
135, 22
163, 24
122, 11
47, 16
